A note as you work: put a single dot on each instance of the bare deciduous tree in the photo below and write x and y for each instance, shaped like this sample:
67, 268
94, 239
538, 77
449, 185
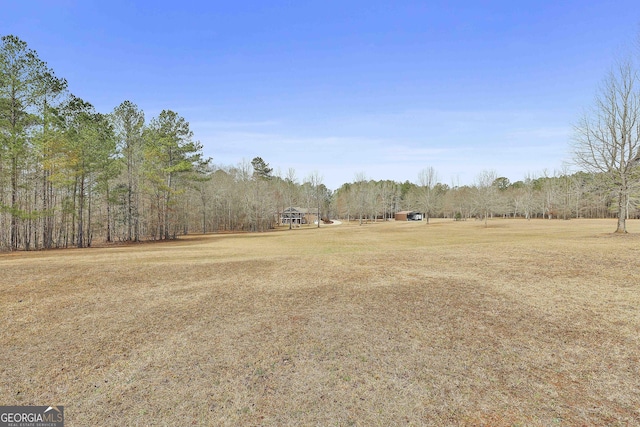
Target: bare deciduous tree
290, 190
427, 179
360, 184
607, 139
486, 194
315, 181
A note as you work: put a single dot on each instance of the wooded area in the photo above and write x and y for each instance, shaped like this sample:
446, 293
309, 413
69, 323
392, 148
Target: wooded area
71, 176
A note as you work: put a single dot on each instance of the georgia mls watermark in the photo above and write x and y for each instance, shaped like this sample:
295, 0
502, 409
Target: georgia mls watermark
31, 416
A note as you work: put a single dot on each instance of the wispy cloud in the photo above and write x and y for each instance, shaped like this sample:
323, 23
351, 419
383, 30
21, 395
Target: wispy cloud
212, 125
544, 133
395, 146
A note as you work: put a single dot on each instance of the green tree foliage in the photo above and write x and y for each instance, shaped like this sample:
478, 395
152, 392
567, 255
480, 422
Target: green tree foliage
50, 91
169, 153
88, 153
128, 123
502, 183
20, 70
261, 169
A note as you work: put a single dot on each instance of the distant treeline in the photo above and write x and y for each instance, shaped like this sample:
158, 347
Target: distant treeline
71, 176
561, 196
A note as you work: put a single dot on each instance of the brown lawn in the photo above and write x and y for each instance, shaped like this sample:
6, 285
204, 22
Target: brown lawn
522, 323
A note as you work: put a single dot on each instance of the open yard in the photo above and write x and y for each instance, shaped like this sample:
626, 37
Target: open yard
521, 323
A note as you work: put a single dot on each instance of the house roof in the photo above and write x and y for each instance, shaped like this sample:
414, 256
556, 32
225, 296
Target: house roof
301, 210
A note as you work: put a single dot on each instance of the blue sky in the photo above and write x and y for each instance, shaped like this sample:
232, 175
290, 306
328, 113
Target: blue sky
345, 87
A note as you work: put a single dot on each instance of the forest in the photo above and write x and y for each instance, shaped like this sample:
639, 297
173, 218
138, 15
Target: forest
71, 176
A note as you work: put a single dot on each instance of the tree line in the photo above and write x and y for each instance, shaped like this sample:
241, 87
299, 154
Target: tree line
551, 196
70, 175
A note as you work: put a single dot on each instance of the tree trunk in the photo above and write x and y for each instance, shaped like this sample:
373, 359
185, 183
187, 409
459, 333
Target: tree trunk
622, 212
88, 234
80, 224
109, 217
14, 204
129, 210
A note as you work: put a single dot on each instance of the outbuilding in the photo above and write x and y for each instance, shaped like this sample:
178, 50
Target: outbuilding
408, 216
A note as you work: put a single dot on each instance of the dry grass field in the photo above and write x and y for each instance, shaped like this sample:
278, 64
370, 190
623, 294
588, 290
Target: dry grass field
523, 323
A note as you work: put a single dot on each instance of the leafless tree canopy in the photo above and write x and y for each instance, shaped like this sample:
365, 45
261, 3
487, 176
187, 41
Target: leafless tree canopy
607, 138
